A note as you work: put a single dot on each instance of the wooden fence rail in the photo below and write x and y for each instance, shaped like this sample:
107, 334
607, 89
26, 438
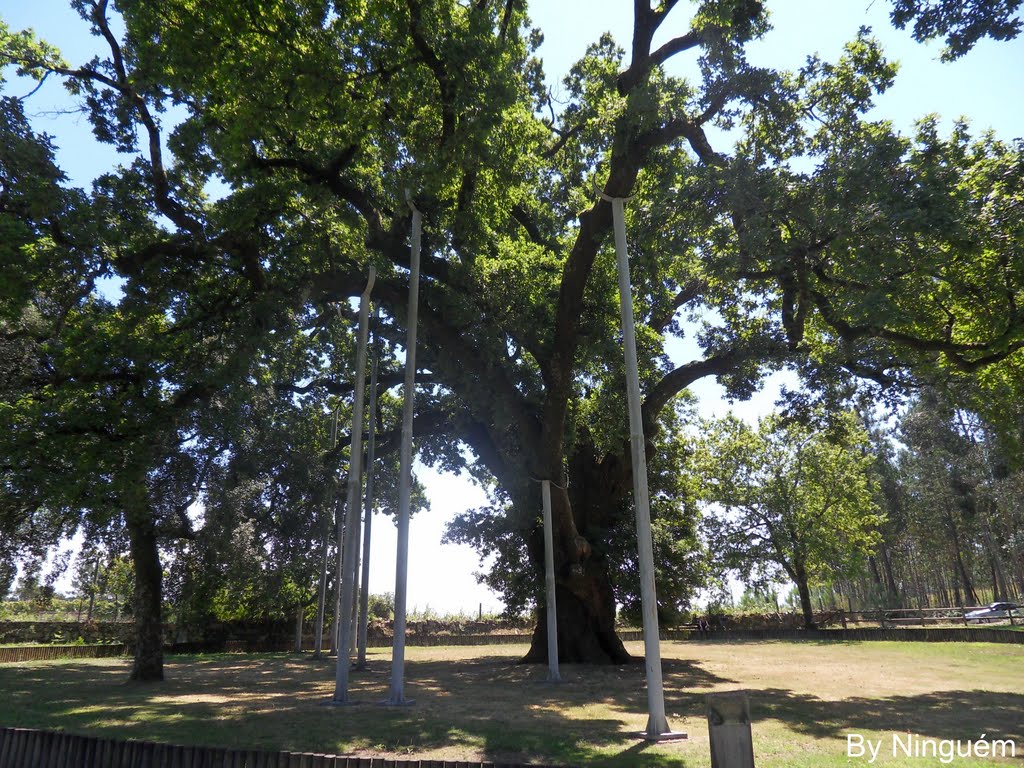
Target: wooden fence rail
25, 748
922, 616
46, 652
928, 634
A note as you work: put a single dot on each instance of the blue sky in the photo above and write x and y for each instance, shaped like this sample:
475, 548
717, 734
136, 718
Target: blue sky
985, 86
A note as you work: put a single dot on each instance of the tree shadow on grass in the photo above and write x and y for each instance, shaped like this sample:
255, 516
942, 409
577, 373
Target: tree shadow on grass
521, 716
957, 714
489, 706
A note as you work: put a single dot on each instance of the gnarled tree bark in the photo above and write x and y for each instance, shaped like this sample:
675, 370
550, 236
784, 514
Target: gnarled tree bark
148, 662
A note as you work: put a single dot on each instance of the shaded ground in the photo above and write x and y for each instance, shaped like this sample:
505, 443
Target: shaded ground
477, 703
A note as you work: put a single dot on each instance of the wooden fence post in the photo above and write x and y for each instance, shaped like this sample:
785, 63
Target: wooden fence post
732, 745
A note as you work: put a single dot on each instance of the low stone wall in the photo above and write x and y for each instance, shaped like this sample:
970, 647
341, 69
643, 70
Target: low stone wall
24, 748
951, 635
68, 631
378, 641
270, 634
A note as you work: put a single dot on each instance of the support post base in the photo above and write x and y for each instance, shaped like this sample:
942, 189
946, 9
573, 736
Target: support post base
398, 703
335, 703
663, 736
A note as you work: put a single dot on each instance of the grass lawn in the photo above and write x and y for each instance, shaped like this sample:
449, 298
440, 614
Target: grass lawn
477, 703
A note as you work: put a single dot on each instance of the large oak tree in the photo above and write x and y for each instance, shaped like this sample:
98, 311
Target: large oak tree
820, 239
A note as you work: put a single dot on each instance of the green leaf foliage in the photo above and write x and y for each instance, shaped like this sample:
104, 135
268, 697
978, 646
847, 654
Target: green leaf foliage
788, 499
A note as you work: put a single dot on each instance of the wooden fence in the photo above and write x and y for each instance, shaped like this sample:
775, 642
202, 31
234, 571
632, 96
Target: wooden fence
892, 617
931, 635
24, 748
46, 652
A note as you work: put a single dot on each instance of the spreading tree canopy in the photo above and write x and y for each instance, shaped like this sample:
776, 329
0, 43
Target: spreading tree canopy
794, 500
271, 145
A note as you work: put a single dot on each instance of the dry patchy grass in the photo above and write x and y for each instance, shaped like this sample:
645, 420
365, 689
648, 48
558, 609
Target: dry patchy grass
478, 703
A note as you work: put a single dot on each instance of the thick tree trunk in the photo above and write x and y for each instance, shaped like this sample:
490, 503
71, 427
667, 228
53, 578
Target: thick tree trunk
148, 664
586, 625
965, 579
584, 595
1000, 586
300, 611
890, 580
805, 598
959, 566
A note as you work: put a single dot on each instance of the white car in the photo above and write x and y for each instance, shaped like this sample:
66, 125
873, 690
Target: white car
994, 611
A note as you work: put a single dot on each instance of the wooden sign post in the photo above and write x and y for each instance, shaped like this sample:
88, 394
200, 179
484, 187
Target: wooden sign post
729, 728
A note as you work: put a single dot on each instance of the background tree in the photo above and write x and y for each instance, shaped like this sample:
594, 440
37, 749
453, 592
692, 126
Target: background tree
101, 425
788, 500
950, 487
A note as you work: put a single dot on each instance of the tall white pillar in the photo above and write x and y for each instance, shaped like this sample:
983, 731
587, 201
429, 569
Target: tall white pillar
657, 722
397, 693
322, 600
318, 625
352, 511
364, 595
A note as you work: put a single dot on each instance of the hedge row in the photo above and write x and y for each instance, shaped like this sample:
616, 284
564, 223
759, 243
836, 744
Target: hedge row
950, 635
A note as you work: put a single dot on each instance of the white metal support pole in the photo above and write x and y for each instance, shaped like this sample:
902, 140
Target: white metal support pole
549, 583
339, 521
322, 600
397, 695
318, 626
339, 534
352, 511
354, 624
371, 442
657, 722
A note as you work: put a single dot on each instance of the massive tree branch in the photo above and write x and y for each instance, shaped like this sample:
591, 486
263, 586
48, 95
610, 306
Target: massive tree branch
629, 152
961, 354
640, 66
678, 379
436, 67
429, 423
165, 203
385, 381
691, 290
